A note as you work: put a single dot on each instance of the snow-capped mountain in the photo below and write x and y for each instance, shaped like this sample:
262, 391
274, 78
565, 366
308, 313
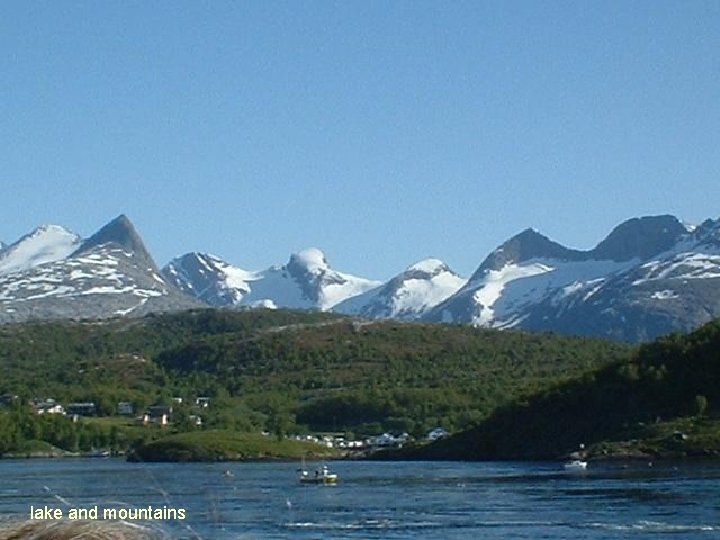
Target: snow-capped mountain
305, 282
676, 289
45, 244
53, 273
408, 295
643, 280
649, 276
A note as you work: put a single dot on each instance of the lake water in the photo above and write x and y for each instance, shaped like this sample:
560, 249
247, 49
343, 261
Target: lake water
444, 500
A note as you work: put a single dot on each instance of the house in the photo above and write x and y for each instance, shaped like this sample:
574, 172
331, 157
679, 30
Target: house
145, 419
202, 402
55, 408
437, 433
195, 420
47, 406
155, 411
82, 409
156, 414
177, 400
8, 399
125, 408
384, 441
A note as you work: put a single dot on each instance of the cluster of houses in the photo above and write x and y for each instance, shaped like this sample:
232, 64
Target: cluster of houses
50, 406
385, 440
161, 415
153, 415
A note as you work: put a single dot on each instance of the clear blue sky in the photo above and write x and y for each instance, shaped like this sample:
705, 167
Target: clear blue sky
382, 132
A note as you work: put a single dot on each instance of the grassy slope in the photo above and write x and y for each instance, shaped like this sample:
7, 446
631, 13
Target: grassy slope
220, 445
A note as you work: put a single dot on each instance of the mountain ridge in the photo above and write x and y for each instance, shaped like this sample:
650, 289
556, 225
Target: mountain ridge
650, 275
109, 274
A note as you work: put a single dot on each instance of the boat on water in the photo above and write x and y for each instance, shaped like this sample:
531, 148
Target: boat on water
320, 476
577, 461
97, 453
575, 465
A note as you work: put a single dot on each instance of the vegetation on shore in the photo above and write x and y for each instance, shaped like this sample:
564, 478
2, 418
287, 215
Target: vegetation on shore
224, 445
278, 371
662, 402
505, 394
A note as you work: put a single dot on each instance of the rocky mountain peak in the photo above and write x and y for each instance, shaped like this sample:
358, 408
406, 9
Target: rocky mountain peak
529, 244
708, 231
120, 232
640, 238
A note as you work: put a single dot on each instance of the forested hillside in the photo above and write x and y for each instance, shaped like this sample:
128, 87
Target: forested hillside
293, 371
665, 399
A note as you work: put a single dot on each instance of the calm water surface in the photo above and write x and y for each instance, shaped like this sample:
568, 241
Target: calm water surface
385, 500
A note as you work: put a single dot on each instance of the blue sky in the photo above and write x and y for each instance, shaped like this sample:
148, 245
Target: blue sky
381, 132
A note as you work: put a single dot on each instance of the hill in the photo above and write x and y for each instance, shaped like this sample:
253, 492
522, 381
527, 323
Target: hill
664, 400
288, 371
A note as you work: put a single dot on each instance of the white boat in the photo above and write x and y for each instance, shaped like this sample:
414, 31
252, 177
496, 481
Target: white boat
320, 476
575, 465
576, 460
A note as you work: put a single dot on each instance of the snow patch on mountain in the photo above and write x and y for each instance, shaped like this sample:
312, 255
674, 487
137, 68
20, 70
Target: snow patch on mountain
82, 276
500, 297
54, 274
489, 290
312, 259
420, 287
306, 282
695, 256
666, 294
45, 244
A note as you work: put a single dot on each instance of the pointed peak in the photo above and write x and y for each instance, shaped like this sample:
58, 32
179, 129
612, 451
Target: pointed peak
121, 220
530, 244
119, 232
530, 232
526, 245
196, 256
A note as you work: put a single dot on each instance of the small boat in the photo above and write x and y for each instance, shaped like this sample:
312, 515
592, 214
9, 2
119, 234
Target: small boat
575, 465
577, 460
321, 476
97, 453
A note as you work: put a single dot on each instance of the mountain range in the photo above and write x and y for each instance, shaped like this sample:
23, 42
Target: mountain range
651, 275
53, 273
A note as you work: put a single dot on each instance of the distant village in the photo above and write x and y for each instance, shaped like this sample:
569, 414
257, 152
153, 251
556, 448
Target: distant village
160, 415
385, 440
164, 415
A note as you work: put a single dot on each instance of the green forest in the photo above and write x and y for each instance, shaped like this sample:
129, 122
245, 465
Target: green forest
663, 401
278, 371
